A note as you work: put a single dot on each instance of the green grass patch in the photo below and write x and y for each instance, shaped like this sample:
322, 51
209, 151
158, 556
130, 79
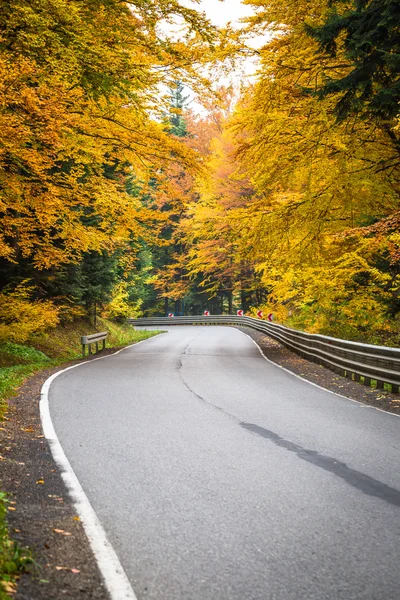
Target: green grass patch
124, 334
53, 348
13, 559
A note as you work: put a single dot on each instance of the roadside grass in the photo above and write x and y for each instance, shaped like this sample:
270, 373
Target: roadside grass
13, 559
53, 348
17, 363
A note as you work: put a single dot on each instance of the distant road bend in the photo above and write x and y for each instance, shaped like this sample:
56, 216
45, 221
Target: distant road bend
218, 476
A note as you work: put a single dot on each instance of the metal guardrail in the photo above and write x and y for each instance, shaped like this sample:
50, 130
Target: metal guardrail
365, 363
95, 338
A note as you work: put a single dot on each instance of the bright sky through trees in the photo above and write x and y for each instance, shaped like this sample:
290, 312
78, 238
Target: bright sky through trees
222, 12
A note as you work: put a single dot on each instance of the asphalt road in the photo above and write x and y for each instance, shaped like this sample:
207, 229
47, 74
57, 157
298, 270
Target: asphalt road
219, 476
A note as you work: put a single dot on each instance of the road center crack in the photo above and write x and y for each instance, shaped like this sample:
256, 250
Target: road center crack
366, 484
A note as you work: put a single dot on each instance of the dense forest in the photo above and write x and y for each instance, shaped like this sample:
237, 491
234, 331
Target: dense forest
136, 181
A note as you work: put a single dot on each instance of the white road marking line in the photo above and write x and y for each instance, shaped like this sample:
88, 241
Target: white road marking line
115, 578
361, 404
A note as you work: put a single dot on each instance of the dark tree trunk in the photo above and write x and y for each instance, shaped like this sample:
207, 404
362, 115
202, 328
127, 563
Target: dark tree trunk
243, 300
230, 302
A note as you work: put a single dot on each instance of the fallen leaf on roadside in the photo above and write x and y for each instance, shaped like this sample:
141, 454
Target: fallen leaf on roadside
40, 481
67, 569
40, 436
27, 429
11, 508
62, 531
76, 518
9, 587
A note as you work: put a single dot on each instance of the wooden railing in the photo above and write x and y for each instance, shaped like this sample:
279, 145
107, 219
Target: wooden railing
95, 338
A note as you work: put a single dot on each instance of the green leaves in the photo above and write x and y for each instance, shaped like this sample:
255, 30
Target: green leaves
367, 36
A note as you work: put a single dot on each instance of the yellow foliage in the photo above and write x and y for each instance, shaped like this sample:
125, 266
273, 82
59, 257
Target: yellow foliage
80, 110
119, 307
294, 205
20, 317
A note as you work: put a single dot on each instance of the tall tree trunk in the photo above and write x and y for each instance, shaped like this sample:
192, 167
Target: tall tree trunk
230, 302
243, 300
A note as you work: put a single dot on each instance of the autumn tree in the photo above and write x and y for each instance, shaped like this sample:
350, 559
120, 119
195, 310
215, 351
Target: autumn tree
295, 196
316, 178
80, 99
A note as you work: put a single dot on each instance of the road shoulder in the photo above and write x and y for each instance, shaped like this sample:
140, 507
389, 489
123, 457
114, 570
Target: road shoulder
42, 515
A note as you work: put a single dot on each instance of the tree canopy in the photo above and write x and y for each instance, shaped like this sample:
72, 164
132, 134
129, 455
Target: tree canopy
133, 181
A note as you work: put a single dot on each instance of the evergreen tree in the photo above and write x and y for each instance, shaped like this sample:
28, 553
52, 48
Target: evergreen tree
368, 35
178, 102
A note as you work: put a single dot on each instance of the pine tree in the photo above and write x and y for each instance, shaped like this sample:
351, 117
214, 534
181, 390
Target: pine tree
368, 35
178, 102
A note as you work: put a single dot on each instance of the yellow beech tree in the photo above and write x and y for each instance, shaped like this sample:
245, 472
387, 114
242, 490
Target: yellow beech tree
318, 220
81, 113
316, 180
78, 84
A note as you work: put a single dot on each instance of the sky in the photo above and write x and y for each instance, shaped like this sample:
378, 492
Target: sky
219, 14
222, 12
232, 11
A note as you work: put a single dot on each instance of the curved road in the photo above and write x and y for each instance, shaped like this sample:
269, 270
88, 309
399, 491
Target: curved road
218, 476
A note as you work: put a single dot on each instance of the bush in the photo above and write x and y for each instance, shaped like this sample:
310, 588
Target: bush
20, 317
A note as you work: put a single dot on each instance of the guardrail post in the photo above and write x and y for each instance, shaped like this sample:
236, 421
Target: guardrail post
83, 350
90, 349
97, 347
104, 343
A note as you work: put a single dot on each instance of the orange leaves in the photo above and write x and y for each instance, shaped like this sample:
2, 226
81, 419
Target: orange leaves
20, 317
78, 92
62, 532
71, 570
